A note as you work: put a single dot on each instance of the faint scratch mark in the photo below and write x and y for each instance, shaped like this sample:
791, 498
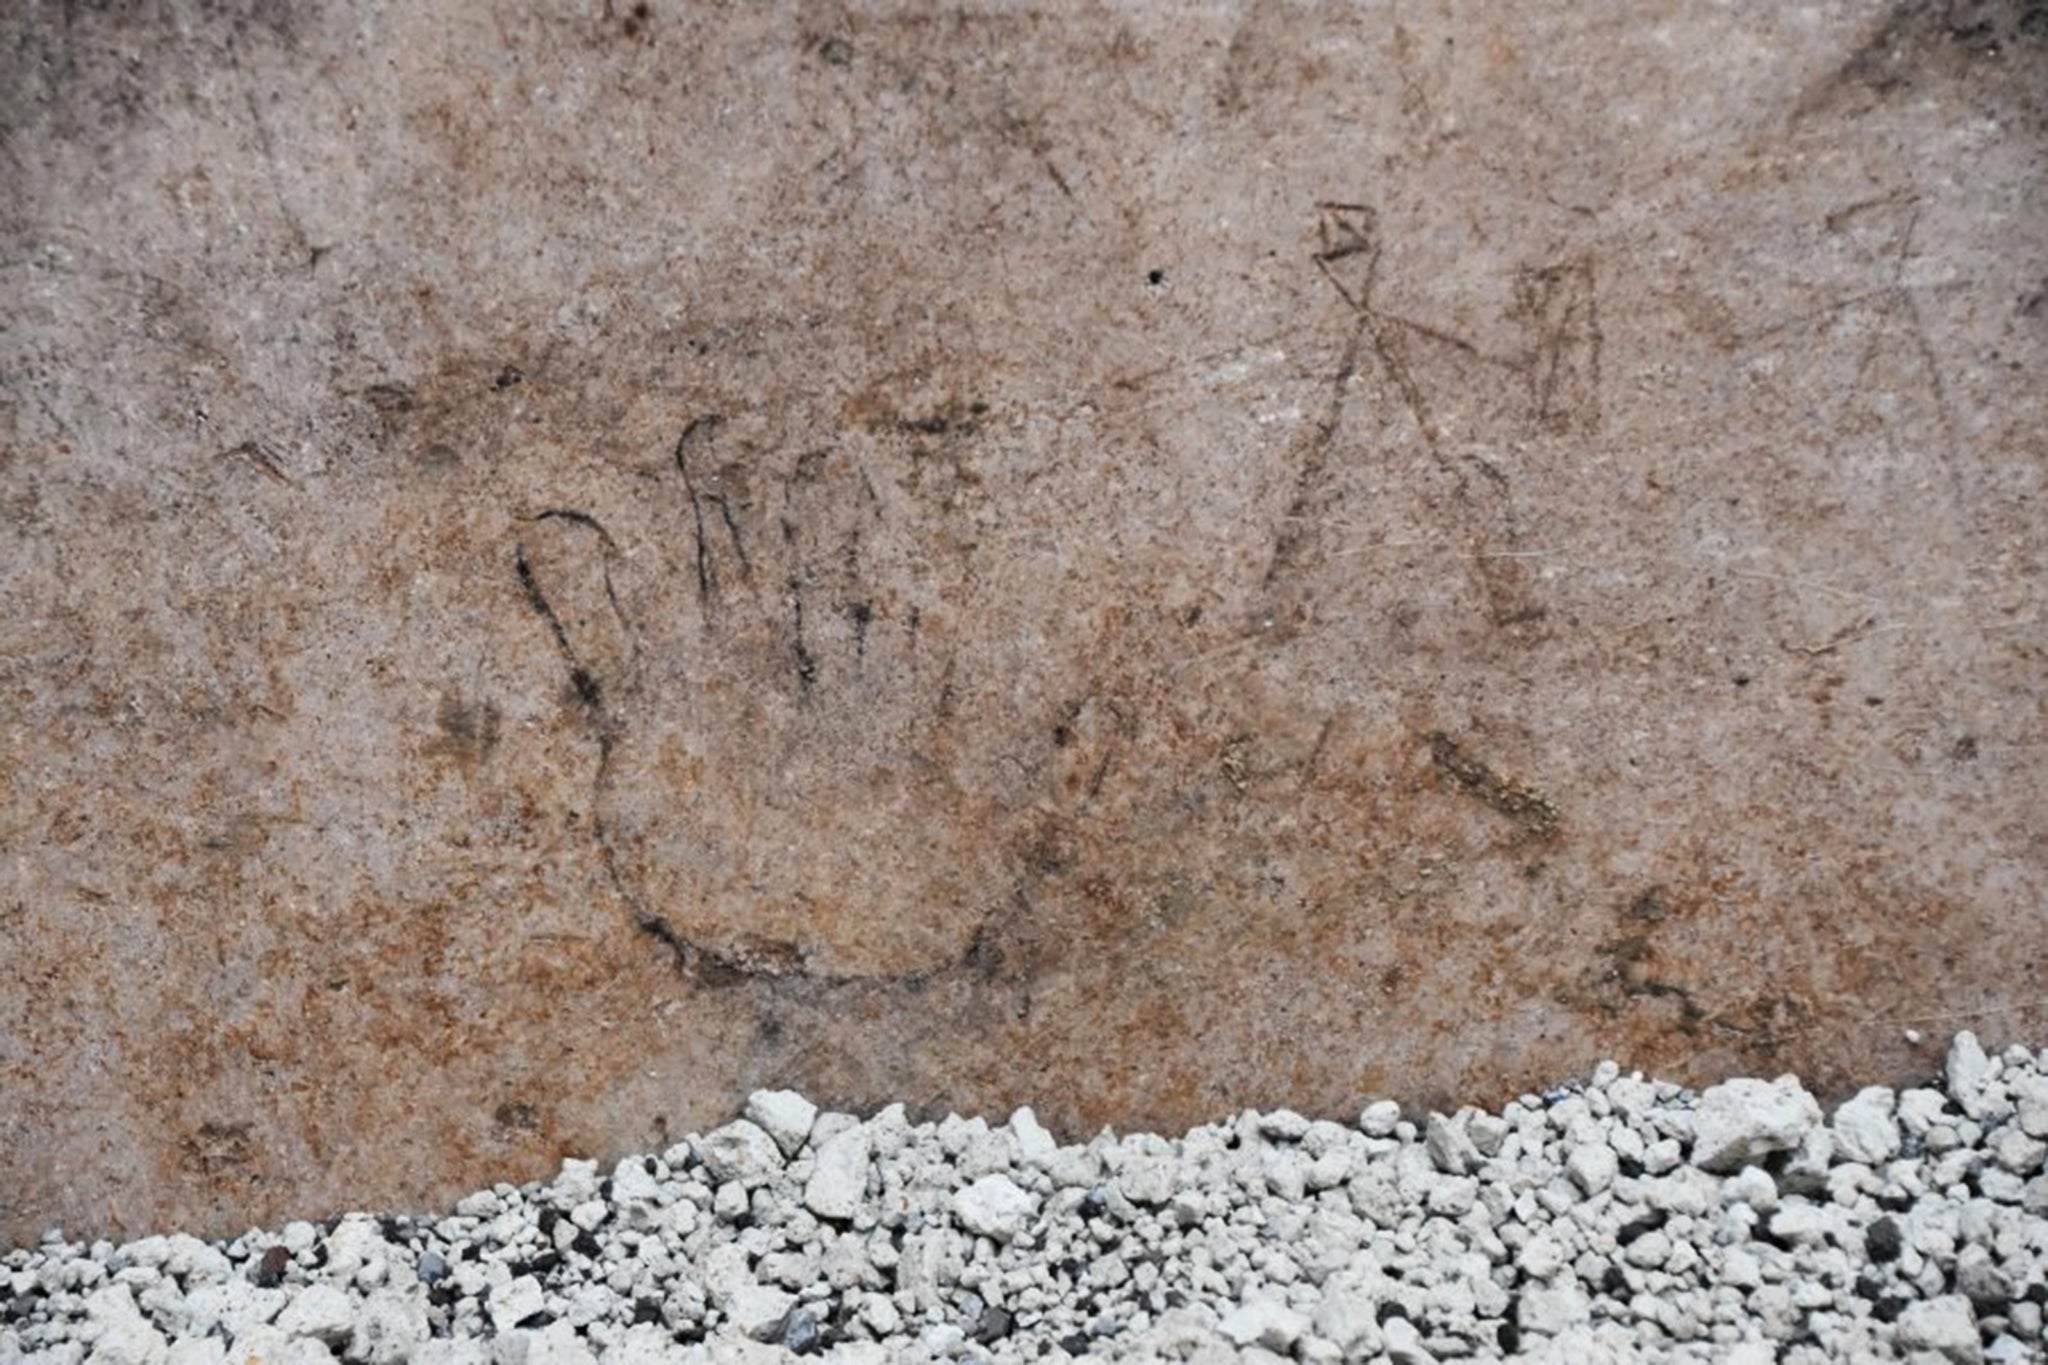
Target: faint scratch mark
1524, 805
261, 456
588, 689
694, 433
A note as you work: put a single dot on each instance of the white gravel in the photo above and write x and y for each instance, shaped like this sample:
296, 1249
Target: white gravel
1616, 1220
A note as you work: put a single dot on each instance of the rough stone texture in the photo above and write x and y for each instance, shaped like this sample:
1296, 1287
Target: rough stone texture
1747, 1120
784, 1115
561, 565
1945, 1325
840, 1182
1864, 1129
740, 1151
993, 1206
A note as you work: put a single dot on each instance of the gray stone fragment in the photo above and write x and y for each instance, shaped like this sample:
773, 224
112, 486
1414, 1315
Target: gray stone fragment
1487, 1132
757, 1311
994, 1207
1945, 1325
1648, 1251
838, 1185
1378, 1118
2015, 1151
740, 1151
1403, 1343
1592, 1166
784, 1115
193, 1260
1549, 1309
1449, 1147
635, 1193
575, 1184
124, 1336
1541, 1257
1149, 1177
509, 1304
235, 1305
1665, 1154
1752, 1185
1805, 1169
1284, 1125
1072, 1167
1347, 1314
1034, 1143
1864, 1127
847, 1265
324, 1313
1331, 1169
1263, 1320
1108, 1272
1981, 1280
799, 1330
2029, 1092
389, 1327
1745, 1120
730, 1203
1801, 1224
1921, 1109
1968, 1073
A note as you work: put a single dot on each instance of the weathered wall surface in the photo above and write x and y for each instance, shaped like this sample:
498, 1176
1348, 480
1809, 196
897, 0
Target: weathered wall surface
560, 565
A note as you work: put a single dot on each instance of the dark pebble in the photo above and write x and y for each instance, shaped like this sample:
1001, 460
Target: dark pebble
1882, 1240
995, 1325
1648, 1223
268, 1272
539, 1267
800, 1330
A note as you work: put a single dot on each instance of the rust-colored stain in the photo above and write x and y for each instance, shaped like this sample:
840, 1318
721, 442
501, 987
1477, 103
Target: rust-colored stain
1134, 563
